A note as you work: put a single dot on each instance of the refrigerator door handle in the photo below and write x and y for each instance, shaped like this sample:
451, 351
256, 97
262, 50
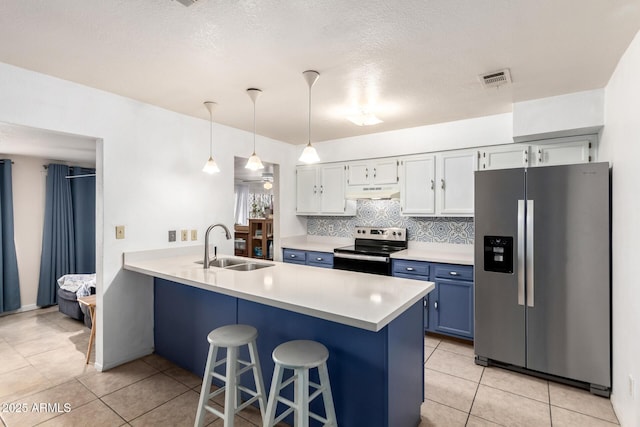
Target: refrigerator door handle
530, 283
521, 252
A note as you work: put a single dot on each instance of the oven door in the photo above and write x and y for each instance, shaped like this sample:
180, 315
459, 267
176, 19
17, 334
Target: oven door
363, 263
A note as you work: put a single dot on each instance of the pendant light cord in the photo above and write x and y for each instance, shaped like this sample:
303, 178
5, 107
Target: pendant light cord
210, 134
310, 114
254, 126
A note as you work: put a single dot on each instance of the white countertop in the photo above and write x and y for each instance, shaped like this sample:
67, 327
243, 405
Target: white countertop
434, 256
315, 243
418, 251
365, 301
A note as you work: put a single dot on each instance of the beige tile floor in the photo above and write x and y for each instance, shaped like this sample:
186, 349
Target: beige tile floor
42, 369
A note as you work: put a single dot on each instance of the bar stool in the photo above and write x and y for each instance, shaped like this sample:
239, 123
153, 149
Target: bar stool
300, 356
231, 337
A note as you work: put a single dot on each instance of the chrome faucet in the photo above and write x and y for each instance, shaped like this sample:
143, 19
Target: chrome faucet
206, 243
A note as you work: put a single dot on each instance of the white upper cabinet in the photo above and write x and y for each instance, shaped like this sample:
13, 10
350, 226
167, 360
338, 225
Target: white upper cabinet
560, 151
417, 185
454, 178
504, 157
320, 190
307, 200
439, 184
373, 172
332, 189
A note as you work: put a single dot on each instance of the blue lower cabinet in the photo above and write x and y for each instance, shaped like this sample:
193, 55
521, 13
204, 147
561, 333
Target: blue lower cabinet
320, 259
448, 309
294, 256
313, 258
452, 308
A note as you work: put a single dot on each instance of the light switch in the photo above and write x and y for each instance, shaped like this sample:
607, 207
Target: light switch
194, 234
119, 231
184, 235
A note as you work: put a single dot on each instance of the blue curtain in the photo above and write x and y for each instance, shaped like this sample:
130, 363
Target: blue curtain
83, 195
9, 280
68, 241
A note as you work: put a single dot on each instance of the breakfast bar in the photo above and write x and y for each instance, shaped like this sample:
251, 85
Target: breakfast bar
372, 325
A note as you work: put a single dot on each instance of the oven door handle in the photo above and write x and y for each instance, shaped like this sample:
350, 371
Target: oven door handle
361, 257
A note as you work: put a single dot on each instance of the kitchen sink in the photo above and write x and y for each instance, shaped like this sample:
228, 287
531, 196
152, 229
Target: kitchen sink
223, 262
236, 264
249, 266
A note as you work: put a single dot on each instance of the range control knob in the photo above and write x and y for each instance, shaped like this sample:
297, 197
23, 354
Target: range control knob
394, 233
399, 233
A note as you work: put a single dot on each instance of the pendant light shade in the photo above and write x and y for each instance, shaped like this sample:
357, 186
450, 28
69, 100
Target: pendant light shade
254, 163
309, 154
211, 166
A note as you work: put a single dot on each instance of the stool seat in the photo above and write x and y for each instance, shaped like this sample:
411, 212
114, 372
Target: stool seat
232, 335
300, 354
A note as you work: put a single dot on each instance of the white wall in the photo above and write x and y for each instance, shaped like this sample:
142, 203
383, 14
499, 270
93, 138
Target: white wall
578, 113
482, 131
620, 144
29, 184
149, 179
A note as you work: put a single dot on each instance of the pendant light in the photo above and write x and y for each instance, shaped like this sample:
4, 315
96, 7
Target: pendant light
210, 167
254, 162
309, 154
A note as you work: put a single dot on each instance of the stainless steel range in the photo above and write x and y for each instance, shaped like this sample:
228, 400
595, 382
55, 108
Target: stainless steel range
372, 250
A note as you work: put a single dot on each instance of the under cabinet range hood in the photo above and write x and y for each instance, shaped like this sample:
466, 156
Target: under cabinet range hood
373, 192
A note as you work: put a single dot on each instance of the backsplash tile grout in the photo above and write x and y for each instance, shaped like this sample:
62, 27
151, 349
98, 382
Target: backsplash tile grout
386, 213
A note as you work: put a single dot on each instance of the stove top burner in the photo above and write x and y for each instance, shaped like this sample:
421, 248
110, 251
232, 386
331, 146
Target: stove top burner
376, 241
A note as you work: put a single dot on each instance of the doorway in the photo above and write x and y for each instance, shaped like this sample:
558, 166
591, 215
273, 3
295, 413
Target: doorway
255, 210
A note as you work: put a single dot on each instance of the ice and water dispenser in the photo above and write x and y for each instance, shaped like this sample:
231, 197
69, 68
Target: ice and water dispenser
498, 254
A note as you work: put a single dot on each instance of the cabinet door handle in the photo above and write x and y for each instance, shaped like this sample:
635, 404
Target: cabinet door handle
315, 189
526, 156
410, 268
453, 273
321, 189
318, 259
432, 184
292, 256
366, 173
539, 156
374, 172
442, 184
435, 305
424, 303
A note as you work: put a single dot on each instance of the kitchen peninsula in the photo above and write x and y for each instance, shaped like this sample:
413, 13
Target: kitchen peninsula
372, 325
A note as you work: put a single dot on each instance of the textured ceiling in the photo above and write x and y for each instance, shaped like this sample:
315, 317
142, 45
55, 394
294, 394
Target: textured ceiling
415, 61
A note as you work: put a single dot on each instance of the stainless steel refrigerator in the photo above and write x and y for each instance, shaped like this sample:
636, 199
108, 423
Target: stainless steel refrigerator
542, 271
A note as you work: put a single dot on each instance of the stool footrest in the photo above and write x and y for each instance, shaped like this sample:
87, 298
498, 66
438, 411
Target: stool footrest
215, 393
282, 416
287, 382
317, 417
214, 411
243, 370
247, 403
315, 394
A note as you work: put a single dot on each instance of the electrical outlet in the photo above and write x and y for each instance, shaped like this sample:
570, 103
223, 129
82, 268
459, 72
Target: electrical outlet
184, 235
172, 235
119, 231
194, 234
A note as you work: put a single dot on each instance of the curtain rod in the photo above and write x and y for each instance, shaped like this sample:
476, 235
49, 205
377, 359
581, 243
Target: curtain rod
80, 176
4, 160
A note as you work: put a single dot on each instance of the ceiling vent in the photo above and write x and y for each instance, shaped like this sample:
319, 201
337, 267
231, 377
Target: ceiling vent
187, 2
495, 78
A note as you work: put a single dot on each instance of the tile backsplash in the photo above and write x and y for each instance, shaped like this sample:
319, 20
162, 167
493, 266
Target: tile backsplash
386, 213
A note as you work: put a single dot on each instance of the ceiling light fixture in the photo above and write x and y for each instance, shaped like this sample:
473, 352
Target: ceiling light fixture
268, 185
254, 163
365, 118
309, 154
210, 167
